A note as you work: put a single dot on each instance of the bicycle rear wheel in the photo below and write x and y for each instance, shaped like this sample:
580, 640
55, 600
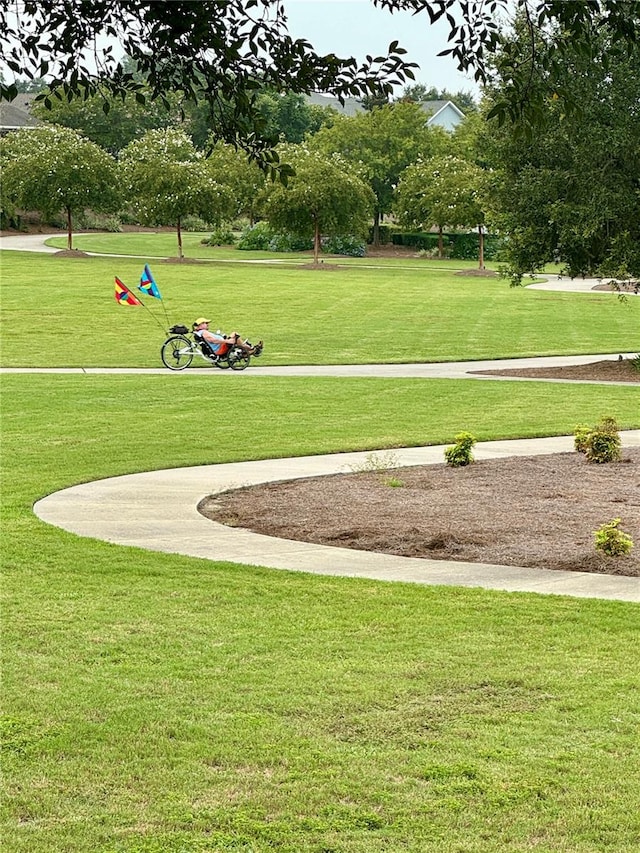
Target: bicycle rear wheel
176, 353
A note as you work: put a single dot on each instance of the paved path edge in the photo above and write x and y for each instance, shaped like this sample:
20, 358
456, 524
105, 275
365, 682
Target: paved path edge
157, 511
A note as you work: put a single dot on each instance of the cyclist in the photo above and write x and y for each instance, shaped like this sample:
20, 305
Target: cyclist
220, 342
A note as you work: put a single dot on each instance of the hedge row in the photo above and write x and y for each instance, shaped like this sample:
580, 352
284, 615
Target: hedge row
455, 245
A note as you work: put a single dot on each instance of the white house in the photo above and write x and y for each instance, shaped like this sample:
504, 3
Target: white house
443, 114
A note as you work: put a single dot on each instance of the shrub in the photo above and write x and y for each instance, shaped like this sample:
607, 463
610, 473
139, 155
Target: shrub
290, 243
460, 453
351, 246
603, 442
581, 438
419, 240
222, 236
385, 233
635, 362
194, 223
256, 237
434, 254
99, 221
611, 540
461, 245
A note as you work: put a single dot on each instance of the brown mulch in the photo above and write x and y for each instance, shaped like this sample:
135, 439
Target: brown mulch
620, 287
71, 253
538, 511
618, 370
478, 273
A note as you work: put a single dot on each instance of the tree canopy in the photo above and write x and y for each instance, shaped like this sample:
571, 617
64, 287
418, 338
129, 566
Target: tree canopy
166, 179
224, 52
53, 169
324, 198
381, 143
443, 191
574, 195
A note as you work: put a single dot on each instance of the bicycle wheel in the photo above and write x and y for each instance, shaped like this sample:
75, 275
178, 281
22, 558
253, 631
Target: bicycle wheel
176, 353
241, 362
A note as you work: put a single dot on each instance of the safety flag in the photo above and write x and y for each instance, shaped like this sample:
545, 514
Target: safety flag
124, 296
148, 283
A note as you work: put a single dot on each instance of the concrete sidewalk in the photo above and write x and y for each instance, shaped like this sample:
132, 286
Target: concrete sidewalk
433, 370
157, 511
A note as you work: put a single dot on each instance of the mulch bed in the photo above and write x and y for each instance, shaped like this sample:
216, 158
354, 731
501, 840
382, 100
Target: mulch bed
538, 511
616, 370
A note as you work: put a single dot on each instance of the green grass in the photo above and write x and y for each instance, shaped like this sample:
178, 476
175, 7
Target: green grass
160, 704
357, 315
164, 244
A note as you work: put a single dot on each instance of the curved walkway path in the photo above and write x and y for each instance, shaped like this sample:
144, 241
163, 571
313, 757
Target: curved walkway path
37, 243
157, 510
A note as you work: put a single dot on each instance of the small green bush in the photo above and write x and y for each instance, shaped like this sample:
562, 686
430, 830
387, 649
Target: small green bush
256, 237
603, 442
385, 233
461, 245
460, 453
194, 223
290, 243
350, 246
635, 362
581, 438
222, 236
600, 443
611, 540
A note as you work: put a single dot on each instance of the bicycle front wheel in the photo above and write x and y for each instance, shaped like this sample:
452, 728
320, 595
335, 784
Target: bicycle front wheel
176, 353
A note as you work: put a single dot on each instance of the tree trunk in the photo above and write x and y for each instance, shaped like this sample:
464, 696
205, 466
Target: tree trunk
481, 245
440, 242
69, 230
180, 254
376, 228
316, 242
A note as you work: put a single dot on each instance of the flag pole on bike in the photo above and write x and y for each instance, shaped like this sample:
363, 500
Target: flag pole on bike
125, 297
148, 285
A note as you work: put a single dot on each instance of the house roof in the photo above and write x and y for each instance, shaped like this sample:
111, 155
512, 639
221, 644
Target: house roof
352, 106
435, 107
14, 117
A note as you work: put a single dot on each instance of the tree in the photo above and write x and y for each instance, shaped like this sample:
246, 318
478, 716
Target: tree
127, 119
323, 198
381, 143
240, 175
225, 51
289, 116
573, 196
52, 169
418, 93
166, 179
443, 191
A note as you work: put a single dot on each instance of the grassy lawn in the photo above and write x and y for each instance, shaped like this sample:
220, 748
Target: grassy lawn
160, 704
356, 315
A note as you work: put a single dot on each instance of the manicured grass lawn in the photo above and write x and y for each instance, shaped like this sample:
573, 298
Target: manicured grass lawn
160, 704
357, 315
164, 244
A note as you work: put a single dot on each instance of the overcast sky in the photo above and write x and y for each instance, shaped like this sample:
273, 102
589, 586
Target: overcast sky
357, 28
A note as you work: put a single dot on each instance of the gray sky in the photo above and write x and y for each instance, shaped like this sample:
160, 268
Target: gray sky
357, 28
